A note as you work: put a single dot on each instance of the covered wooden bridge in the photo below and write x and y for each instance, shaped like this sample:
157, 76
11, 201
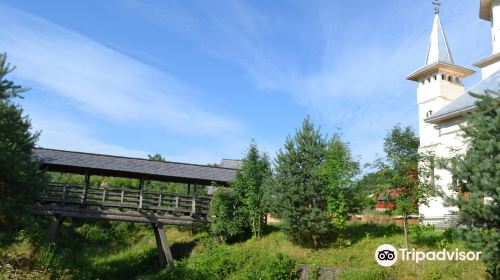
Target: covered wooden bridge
127, 204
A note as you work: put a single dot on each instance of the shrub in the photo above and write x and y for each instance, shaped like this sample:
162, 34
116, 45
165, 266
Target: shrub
230, 221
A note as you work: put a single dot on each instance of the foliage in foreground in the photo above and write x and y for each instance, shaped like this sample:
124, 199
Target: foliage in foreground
127, 251
20, 177
478, 172
219, 261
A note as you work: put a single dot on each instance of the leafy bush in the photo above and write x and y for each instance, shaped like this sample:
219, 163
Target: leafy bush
219, 261
230, 220
428, 235
94, 233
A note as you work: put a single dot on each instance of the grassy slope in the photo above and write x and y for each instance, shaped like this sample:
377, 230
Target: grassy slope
79, 258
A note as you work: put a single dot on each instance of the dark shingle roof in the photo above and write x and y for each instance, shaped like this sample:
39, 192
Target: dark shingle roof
231, 163
106, 165
466, 100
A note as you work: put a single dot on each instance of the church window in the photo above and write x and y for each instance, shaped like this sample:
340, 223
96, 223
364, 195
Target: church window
428, 114
443, 77
449, 78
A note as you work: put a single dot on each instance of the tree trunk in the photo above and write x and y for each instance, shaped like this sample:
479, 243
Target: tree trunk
405, 227
259, 227
253, 227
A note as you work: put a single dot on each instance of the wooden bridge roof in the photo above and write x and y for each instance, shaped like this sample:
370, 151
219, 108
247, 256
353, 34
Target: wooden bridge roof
117, 166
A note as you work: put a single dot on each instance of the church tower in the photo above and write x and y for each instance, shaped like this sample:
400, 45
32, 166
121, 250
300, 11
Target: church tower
439, 82
490, 11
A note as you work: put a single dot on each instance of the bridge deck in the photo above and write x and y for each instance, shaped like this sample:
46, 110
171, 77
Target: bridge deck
122, 205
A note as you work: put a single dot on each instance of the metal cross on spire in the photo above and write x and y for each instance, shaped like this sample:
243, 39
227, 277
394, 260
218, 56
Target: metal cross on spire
436, 6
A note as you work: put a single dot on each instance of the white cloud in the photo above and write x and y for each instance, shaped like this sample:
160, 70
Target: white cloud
357, 84
58, 132
101, 81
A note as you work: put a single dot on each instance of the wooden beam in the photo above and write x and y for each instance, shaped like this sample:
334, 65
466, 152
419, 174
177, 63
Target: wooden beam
193, 206
164, 244
114, 215
161, 254
141, 193
86, 187
54, 228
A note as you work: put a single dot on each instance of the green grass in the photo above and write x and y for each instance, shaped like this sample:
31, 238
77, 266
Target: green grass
122, 251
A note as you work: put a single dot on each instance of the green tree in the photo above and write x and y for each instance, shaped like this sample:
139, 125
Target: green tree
401, 173
300, 193
20, 177
230, 220
242, 208
157, 157
251, 183
363, 193
338, 172
478, 172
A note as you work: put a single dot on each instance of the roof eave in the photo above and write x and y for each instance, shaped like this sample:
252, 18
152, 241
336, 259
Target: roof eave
485, 10
440, 66
450, 115
488, 61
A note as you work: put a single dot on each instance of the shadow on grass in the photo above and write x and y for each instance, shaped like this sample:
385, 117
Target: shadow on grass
270, 229
182, 250
98, 251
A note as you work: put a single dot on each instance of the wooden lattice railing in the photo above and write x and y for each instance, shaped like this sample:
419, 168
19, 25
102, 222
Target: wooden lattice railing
126, 200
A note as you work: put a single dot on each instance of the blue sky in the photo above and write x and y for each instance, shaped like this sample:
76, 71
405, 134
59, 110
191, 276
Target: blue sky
197, 80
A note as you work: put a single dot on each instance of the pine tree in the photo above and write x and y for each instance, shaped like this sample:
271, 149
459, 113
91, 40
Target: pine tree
301, 198
478, 172
20, 177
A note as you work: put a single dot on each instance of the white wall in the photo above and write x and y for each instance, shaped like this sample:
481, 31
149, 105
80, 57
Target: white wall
447, 143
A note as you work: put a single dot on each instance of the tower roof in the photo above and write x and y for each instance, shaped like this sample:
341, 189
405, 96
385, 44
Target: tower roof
438, 50
439, 56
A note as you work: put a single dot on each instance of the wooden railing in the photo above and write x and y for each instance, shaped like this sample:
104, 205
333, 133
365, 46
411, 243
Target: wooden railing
126, 200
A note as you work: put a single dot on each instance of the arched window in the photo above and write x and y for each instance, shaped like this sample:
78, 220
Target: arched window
443, 77
449, 78
428, 114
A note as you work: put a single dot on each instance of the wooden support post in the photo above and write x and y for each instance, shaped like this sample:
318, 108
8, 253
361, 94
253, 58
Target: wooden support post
141, 193
165, 256
86, 187
54, 228
176, 204
64, 193
193, 206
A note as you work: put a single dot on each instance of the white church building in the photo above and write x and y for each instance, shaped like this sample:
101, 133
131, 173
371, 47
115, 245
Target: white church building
443, 101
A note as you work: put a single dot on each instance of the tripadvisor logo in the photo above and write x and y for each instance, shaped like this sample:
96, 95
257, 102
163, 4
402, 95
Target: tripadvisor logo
387, 255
